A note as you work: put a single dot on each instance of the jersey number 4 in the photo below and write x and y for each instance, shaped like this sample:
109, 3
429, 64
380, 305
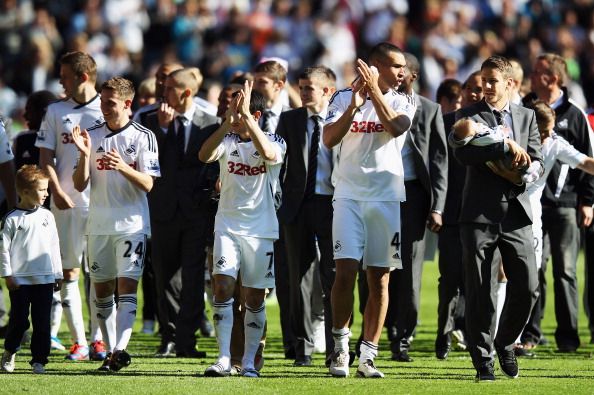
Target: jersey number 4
396, 243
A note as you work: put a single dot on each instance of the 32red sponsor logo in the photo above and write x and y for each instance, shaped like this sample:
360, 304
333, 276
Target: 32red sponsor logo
366, 127
103, 165
67, 138
241, 169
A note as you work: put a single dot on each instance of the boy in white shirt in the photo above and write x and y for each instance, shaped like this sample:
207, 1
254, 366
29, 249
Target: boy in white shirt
119, 158
245, 225
31, 265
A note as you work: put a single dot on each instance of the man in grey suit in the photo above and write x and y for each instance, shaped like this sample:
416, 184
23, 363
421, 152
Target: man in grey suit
496, 215
306, 211
425, 163
180, 217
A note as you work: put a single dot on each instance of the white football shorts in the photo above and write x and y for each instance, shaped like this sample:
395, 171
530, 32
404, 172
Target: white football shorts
367, 230
72, 227
253, 255
113, 256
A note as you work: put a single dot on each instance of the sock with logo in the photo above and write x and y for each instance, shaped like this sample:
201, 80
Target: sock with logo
126, 314
254, 321
106, 316
56, 314
222, 317
72, 308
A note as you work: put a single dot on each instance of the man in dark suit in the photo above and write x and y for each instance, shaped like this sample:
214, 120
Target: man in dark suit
450, 288
306, 211
496, 215
179, 206
425, 163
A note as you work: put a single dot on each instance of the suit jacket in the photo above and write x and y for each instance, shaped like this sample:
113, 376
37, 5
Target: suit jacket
292, 127
456, 177
487, 197
430, 153
185, 183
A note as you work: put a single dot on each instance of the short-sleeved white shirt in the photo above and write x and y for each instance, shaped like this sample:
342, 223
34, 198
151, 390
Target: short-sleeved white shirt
117, 206
55, 133
370, 163
555, 148
5, 148
248, 187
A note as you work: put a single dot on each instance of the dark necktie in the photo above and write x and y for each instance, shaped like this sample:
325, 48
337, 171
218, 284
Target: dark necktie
265, 124
312, 167
180, 137
498, 117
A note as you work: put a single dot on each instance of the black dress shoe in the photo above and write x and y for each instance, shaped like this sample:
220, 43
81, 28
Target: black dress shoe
166, 350
508, 362
566, 348
443, 345
401, 356
191, 353
485, 373
303, 361
3, 330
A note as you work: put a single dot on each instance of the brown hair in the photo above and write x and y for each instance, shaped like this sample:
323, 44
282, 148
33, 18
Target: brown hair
80, 63
322, 72
449, 88
557, 66
273, 70
123, 87
500, 64
543, 112
28, 176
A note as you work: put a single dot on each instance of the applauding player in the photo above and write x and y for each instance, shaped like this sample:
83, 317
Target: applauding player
120, 159
245, 224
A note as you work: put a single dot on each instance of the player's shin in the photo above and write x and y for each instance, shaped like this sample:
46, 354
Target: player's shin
223, 322
125, 316
107, 320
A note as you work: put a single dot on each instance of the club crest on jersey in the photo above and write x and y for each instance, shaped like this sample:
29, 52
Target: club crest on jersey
221, 262
131, 150
234, 153
337, 246
100, 150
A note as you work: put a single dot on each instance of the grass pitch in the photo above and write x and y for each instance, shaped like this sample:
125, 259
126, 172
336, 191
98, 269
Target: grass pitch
549, 372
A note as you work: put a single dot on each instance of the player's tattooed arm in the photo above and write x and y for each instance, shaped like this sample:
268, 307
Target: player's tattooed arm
81, 174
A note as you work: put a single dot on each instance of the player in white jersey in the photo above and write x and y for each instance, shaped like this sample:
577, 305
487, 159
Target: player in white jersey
119, 159
366, 121
70, 208
245, 224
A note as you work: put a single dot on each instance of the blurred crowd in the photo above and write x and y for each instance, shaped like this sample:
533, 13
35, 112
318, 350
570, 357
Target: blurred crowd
131, 37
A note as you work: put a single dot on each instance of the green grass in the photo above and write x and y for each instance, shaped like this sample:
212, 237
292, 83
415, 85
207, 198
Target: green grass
549, 372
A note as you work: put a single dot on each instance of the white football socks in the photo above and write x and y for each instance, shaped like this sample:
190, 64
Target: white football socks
125, 316
106, 316
72, 308
253, 324
56, 314
222, 316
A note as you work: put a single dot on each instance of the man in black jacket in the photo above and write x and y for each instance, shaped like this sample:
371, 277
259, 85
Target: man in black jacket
566, 204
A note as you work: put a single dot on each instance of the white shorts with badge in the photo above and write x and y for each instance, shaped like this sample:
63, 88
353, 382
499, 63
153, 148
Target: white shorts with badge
253, 255
114, 256
72, 227
367, 230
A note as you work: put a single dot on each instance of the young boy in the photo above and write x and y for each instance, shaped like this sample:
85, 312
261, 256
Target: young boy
466, 131
119, 158
31, 265
245, 223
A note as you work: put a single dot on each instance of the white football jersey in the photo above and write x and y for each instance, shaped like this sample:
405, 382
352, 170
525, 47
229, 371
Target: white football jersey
5, 148
370, 163
554, 148
248, 187
55, 133
117, 206
30, 248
